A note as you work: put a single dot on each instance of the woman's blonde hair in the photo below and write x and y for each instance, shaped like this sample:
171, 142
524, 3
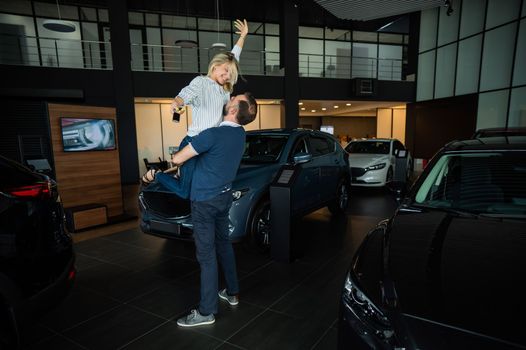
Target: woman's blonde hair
222, 58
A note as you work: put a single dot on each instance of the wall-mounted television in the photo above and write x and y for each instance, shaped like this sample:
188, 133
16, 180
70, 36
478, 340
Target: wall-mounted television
87, 134
327, 128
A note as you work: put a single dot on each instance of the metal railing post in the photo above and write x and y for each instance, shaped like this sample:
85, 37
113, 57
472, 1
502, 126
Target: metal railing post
56, 53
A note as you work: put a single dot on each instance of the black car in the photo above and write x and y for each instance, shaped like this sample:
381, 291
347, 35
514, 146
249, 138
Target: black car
36, 252
448, 270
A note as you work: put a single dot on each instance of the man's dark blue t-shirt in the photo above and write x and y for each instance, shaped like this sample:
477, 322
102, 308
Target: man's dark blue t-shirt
220, 150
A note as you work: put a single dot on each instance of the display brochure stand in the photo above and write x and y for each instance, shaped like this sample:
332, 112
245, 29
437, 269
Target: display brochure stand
283, 248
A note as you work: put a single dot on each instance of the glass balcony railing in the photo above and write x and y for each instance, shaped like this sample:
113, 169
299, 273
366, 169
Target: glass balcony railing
52, 52
87, 54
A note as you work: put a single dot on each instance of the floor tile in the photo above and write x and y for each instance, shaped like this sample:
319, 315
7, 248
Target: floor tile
170, 336
277, 331
329, 341
113, 329
57, 342
80, 305
173, 269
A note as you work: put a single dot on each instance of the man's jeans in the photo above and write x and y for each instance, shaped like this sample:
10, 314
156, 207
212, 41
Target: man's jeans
210, 221
181, 186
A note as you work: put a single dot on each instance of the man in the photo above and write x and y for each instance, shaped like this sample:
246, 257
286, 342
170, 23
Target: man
220, 150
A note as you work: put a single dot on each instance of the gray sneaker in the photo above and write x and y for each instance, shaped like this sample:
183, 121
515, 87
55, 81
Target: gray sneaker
232, 299
194, 318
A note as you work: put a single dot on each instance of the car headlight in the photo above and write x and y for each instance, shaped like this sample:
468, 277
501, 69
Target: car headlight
358, 302
376, 167
237, 194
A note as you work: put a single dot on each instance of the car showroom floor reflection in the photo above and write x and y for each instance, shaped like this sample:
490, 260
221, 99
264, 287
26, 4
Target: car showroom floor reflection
132, 287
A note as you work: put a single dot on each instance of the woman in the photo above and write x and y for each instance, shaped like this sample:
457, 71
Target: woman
207, 95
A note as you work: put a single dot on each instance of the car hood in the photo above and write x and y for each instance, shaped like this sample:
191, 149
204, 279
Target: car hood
465, 273
360, 160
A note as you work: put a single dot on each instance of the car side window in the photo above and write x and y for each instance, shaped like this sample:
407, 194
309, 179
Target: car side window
397, 145
320, 146
299, 147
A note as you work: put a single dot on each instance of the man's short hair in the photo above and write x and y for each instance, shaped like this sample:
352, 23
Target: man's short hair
247, 109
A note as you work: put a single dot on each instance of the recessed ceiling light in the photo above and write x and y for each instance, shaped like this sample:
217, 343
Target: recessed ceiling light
336, 106
313, 110
302, 108
347, 104
300, 103
324, 109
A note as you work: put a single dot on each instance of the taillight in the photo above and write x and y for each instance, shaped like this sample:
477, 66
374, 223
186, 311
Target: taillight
39, 190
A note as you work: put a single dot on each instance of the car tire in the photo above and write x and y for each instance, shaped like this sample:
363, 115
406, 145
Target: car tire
258, 237
340, 203
8, 329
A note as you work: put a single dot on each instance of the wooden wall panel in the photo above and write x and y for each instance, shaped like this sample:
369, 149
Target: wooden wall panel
86, 177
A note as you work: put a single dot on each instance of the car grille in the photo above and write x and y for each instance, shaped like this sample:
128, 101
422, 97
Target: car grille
357, 172
167, 205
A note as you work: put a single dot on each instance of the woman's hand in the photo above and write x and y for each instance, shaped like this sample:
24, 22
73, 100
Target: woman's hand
242, 28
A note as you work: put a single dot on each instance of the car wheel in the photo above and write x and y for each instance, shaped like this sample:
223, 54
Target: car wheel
339, 205
258, 237
8, 332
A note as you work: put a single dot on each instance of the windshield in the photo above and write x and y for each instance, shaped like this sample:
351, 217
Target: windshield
370, 147
488, 183
264, 148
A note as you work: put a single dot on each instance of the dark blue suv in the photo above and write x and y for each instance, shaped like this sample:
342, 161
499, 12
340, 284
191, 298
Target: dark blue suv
323, 181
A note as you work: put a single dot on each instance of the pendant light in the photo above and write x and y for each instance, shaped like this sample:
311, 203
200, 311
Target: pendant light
186, 43
218, 44
59, 25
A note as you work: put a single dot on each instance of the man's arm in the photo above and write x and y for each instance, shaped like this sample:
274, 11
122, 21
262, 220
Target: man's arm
183, 155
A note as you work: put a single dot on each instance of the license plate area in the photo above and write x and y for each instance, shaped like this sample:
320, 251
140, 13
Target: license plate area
165, 227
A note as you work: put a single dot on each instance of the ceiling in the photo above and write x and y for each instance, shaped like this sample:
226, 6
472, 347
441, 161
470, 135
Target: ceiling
345, 108
365, 10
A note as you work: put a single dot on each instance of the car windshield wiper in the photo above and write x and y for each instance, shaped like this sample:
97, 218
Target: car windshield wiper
503, 216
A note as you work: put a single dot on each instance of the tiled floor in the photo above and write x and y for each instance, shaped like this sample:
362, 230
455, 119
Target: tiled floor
131, 288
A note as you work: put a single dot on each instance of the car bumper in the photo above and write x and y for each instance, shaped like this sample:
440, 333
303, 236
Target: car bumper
49, 297
353, 333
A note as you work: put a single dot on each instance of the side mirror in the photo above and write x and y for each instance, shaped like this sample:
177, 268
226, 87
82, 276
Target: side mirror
401, 153
302, 158
398, 190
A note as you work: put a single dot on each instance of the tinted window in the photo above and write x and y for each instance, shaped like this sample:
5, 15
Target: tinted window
264, 148
370, 147
320, 146
491, 183
13, 174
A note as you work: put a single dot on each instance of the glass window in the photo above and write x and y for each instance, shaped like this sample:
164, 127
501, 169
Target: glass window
15, 47
364, 60
153, 36
299, 147
136, 18
91, 49
519, 72
178, 22
468, 65
428, 29
391, 38
320, 146
523, 8
60, 53
137, 54
152, 19
365, 36
177, 59
272, 29
272, 55
472, 17
207, 52
337, 59
492, 109
426, 76
448, 26
517, 115
310, 32
337, 34
214, 24
497, 57
390, 62
253, 27
22, 7
500, 12
103, 15
88, 14
251, 61
310, 57
445, 71
51, 11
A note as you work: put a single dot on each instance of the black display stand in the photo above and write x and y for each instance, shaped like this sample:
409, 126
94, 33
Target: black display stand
282, 244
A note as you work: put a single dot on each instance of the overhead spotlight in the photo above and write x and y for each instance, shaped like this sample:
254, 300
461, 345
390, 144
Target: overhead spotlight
313, 110
300, 103
323, 109
302, 108
347, 104
449, 7
336, 106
